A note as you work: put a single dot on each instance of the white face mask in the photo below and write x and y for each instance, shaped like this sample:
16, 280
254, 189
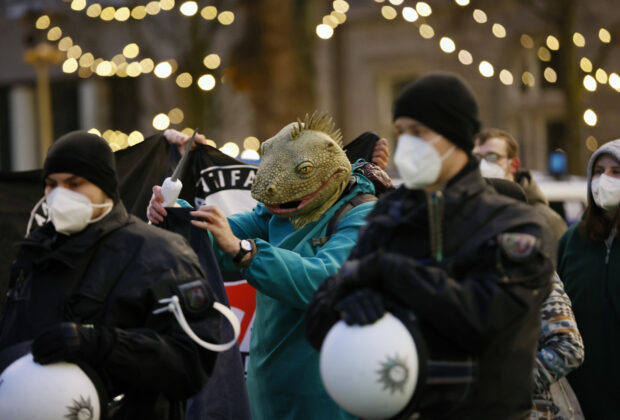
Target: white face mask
417, 161
70, 211
606, 192
491, 170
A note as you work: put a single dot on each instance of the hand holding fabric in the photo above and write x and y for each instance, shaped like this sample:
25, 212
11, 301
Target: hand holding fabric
381, 153
361, 307
68, 342
180, 139
156, 212
215, 221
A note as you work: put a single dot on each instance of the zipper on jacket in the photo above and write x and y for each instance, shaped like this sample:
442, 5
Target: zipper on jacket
607, 255
609, 242
435, 218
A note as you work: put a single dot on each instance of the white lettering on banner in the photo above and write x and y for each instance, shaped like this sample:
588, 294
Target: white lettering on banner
248, 182
232, 177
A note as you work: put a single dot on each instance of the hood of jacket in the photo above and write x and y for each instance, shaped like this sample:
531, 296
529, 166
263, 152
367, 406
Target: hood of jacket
534, 195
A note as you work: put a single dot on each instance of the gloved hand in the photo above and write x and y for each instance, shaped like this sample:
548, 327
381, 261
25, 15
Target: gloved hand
360, 272
362, 307
68, 342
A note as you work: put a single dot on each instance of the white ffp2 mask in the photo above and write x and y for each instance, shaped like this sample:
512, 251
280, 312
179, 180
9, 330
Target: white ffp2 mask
606, 192
491, 170
417, 161
71, 211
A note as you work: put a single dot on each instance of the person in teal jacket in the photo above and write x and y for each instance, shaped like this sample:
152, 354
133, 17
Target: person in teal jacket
286, 247
589, 265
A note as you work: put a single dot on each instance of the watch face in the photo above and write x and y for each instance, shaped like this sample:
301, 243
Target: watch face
246, 245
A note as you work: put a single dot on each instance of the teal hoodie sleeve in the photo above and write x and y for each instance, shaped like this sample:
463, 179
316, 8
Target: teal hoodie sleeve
249, 225
292, 278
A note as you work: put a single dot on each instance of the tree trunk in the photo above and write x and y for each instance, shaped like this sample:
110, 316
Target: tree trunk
273, 63
573, 142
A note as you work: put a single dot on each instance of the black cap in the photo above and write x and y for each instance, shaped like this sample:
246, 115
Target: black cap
443, 103
86, 155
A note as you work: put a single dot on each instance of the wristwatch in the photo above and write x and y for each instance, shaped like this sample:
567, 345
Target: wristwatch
245, 247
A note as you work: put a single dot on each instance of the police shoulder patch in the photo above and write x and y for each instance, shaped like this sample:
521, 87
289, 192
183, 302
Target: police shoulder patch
195, 297
518, 246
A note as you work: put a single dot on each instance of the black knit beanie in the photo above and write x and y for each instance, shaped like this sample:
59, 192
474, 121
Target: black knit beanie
444, 103
86, 155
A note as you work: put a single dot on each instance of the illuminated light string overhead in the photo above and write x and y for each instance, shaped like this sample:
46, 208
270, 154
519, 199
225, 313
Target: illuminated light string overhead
88, 65
107, 68
552, 43
138, 12
338, 16
447, 44
544, 52
119, 140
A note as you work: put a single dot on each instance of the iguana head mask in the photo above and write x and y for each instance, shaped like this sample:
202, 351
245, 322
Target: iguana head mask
304, 170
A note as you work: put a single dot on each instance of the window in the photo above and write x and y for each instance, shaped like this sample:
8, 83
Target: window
124, 104
65, 109
556, 132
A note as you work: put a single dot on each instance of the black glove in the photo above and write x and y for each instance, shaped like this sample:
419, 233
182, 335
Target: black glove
359, 273
361, 307
68, 342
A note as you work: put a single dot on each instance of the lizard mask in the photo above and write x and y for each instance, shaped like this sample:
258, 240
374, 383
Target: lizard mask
304, 170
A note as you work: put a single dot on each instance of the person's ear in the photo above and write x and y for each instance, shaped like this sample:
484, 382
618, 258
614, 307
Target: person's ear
515, 164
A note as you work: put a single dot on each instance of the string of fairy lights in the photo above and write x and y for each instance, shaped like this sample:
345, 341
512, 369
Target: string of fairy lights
336, 17
422, 10
139, 12
127, 64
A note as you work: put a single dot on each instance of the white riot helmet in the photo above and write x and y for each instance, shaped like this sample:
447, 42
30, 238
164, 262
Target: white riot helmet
371, 371
59, 391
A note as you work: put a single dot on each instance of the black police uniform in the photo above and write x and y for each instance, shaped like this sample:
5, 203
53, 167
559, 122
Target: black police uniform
111, 276
474, 273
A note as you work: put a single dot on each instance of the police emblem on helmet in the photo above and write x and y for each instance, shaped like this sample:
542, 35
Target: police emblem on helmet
394, 373
81, 409
372, 370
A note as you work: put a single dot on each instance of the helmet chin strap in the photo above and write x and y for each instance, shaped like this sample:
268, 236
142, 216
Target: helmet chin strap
174, 306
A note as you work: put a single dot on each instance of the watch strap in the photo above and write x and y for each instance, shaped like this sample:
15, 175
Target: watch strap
242, 252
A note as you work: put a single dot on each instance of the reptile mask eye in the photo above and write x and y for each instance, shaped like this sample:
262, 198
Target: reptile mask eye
305, 169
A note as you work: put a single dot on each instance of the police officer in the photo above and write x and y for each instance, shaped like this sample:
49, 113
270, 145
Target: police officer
472, 266
84, 287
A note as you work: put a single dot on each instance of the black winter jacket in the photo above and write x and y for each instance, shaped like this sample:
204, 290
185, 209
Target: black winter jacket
474, 273
111, 275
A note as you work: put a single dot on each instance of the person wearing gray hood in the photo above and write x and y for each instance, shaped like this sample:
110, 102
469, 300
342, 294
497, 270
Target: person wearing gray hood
589, 265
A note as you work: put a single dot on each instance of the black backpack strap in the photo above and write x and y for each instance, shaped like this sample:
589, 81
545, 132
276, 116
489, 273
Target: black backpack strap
345, 208
338, 215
